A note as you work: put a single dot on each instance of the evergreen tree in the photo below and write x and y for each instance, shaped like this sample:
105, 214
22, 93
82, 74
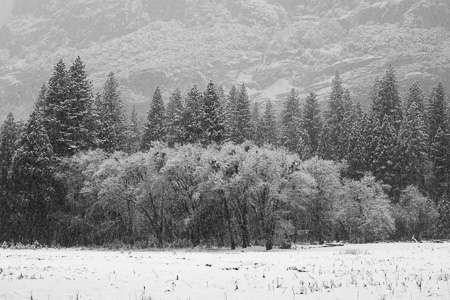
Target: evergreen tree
133, 134
8, 138
111, 116
257, 126
413, 141
291, 130
81, 128
312, 122
440, 161
334, 138
269, 133
175, 128
439, 141
213, 121
32, 175
384, 158
67, 109
54, 115
437, 112
242, 117
349, 121
444, 217
193, 116
154, 129
230, 117
413, 148
415, 95
40, 102
360, 146
386, 116
386, 100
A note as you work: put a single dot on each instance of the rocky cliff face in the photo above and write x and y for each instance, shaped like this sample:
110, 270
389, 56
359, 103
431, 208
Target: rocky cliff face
270, 45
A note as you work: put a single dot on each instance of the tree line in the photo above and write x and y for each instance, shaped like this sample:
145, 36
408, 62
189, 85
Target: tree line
211, 168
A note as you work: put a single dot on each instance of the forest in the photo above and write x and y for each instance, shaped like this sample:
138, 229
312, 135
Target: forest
211, 168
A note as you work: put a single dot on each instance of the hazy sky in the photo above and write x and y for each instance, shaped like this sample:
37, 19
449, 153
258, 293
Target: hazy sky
5, 10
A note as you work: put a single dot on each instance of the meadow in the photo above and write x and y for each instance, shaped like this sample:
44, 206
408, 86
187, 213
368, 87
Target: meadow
364, 271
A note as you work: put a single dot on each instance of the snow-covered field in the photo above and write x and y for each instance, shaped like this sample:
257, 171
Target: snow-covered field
373, 271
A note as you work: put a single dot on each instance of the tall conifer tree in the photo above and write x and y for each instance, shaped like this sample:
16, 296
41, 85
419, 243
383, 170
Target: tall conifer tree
334, 139
439, 141
154, 129
213, 119
257, 126
242, 116
175, 127
81, 129
193, 116
269, 131
111, 116
230, 116
386, 99
386, 118
384, 158
54, 115
8, 138
312, 122
66, 106
413, 141
134, 132
413, 146
291, 130
32, 174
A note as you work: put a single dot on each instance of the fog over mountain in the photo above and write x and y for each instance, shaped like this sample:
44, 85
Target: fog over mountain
270, 45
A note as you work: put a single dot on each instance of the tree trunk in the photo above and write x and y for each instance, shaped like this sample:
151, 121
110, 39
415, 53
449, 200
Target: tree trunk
245, 235
228, 218
244, 227
269, 233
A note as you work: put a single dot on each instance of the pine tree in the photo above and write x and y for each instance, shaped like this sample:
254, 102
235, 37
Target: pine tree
413, 146
111, 116
32, 175
444, 217
312, 122
230, 116
67, 109
213, 121
386, 116
439, 141
81, 130
133, 134
193, 116
291, 130
361, 145
269, 133
175, 127
40, 102
413, 140
384, 158
333, 143
8, 138
440, 160
415, 95
349, 121
154, 129
54, 115
386, 100
34, 157
242, 117
437, 111
257, 126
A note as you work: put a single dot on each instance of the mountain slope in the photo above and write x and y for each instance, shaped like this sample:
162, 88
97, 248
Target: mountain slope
270, 45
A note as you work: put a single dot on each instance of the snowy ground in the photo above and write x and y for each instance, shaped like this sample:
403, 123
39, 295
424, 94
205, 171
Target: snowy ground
375, 271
